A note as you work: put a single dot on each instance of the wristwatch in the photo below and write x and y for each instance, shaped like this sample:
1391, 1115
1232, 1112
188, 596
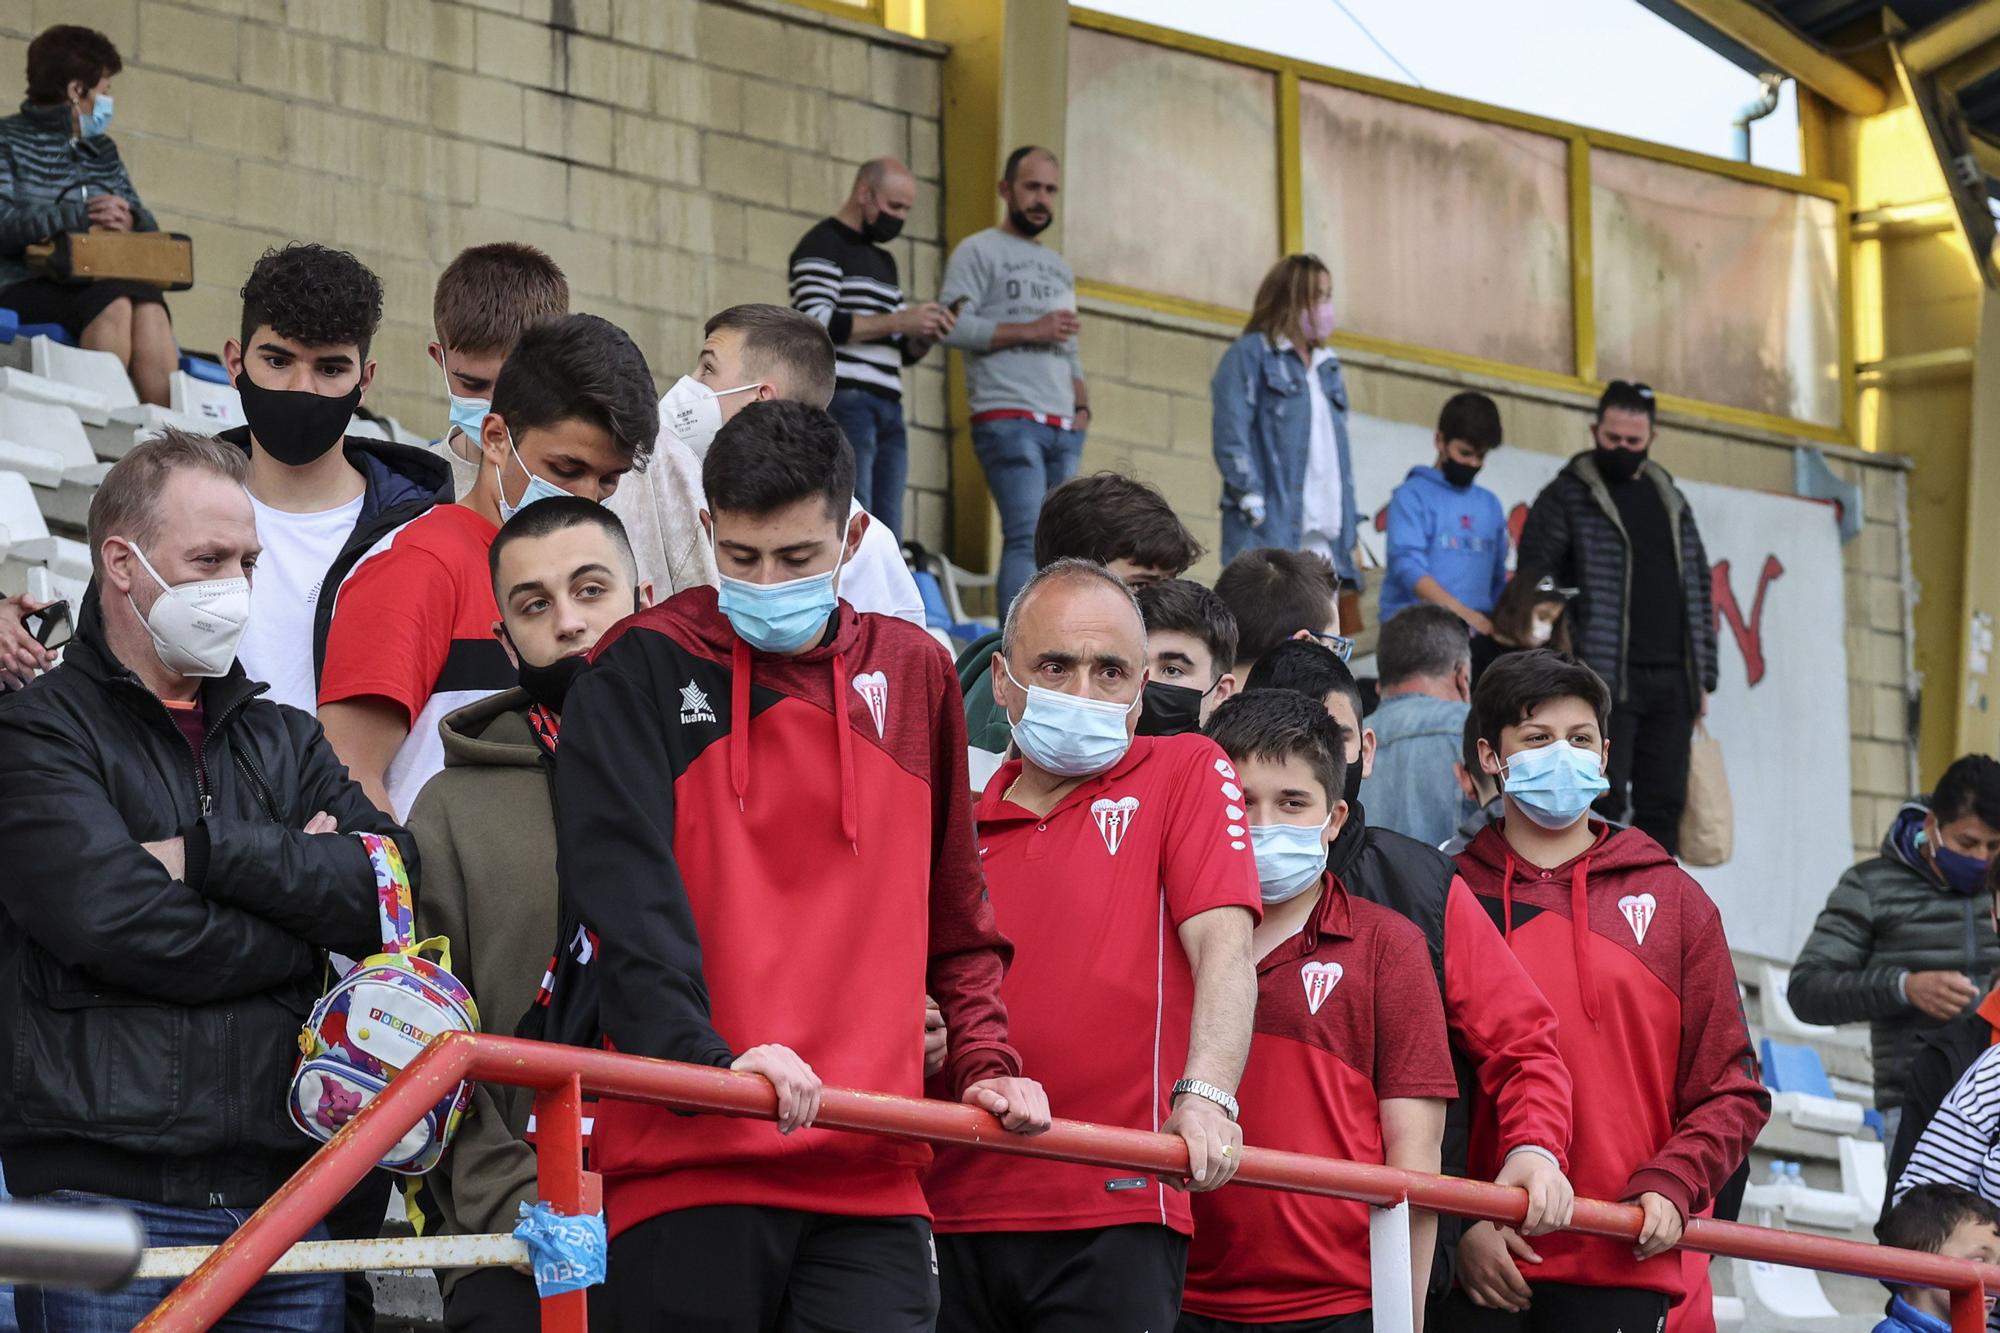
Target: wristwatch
1206, 1091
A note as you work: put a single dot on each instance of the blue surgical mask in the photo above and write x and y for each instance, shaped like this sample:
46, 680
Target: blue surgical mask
1554, 784
778, 617
96, 120
1068, 735
468, 414
1290, 858
538, 489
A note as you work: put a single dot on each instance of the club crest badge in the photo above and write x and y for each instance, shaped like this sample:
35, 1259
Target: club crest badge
1638, 909
1320, 979
873, 687
1114, 819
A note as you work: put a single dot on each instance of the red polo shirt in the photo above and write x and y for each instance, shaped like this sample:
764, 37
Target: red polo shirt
1348, 1014
1100, 994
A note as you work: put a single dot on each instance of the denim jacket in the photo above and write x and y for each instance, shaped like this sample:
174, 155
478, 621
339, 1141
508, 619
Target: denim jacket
1262, 430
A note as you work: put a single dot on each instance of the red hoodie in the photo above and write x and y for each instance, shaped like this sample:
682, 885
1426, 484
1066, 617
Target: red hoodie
1631, 954
775, 849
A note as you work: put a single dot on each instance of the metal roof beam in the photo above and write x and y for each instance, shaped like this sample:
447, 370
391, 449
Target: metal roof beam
1791, 53
1971, 67
1952, 36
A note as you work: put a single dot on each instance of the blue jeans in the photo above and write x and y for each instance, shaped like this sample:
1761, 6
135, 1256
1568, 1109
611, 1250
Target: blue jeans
874, 426
292, 1303
1024, 460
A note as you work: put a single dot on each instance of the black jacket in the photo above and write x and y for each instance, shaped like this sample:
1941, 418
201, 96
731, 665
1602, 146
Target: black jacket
151, 1024
1939, 1061
402, 482
1574, 532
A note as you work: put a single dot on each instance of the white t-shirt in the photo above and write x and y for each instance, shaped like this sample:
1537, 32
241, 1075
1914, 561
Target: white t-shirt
878, 578
1324, 501
299, 549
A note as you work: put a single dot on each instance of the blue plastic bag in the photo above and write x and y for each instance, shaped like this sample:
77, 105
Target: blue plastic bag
567, 1253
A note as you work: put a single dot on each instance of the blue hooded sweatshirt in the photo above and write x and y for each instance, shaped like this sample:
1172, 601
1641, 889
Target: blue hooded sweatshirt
1458, 537
1906, 1318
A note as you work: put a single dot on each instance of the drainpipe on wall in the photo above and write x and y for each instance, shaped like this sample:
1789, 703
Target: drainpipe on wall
1765, 104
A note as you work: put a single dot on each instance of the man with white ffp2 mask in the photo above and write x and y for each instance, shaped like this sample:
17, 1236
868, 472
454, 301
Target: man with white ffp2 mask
1121, 868
176, 873
750, 353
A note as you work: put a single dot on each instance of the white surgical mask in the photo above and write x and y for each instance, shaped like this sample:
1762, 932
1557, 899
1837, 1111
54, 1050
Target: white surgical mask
1069, 735
692, 412
1290, 858
195, 626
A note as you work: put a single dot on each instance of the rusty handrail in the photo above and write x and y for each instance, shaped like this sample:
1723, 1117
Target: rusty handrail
559, 1074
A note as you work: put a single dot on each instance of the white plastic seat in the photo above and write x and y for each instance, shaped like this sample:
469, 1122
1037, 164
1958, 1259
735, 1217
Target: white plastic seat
45, 585
89, 405
1864, 1172
100, 372
1729, 1313
218, 407
1781, 1022
54, 429
1781, 1293
129, 425
20, 520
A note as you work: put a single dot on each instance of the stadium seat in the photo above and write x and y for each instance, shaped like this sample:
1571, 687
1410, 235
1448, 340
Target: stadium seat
211, 372
937, 614
219, 406
1778, 1016
1729, 1313
52, 429
21, 521
950, 579
100, 372
129, 425
1802, 1091
11, 328
1775, 1296
1864, 1173
90, 406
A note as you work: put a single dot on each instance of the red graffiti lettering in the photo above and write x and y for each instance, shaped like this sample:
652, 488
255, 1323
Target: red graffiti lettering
1749, 635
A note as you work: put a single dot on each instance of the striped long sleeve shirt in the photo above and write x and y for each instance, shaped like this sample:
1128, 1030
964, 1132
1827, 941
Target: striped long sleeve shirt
1961, 1146
837, 273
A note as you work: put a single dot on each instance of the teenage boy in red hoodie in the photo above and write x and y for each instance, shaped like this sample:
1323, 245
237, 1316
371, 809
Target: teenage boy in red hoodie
1632, 955
762, 817
1349, 1058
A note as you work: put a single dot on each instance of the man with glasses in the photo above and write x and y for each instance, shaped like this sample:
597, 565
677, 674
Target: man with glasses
1277, 595
1615, 526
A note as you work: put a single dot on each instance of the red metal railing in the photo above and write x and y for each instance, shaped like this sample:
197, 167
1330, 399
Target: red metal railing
560, 1075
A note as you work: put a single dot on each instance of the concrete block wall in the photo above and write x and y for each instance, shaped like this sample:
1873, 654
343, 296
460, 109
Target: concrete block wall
667, 153
1149, 378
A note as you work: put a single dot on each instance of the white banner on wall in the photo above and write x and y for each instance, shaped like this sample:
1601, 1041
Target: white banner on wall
1780, 710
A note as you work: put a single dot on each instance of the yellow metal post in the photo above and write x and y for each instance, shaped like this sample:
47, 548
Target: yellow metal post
1291, 167
1582, 274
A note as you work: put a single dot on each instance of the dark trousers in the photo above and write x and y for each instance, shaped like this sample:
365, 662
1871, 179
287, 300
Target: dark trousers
359, 1216
1123, 1279
734, 1268
1360, 1321
1558, 1307
493, 1300
873, 425
1652, 730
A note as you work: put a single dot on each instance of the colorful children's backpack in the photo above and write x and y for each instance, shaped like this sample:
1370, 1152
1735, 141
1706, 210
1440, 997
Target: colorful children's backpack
374, 1022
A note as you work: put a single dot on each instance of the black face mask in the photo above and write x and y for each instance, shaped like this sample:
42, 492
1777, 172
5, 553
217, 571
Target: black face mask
1458, 474
549, 685
1350, 787
882, 228
1169, 710
295, 426
1619, 464
1026, 225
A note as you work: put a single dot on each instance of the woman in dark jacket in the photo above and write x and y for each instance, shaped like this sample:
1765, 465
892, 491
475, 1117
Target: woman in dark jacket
60, 173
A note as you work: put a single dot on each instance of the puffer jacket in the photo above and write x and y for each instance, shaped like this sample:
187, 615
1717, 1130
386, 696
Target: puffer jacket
1574, 532
1889, 916
151, 1023
43, 168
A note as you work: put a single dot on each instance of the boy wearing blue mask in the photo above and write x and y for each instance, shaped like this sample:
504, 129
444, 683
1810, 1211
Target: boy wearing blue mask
412, 637
1631, 954
1350, 1057
761, 818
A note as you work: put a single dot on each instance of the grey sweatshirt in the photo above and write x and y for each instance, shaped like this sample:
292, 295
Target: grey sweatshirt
1011, 281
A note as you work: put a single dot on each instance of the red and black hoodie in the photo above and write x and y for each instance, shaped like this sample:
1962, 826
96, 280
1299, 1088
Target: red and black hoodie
1631, 954
775, 849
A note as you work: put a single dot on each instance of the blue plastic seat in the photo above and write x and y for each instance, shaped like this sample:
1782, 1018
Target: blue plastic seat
937, 614
11, 328
1789, 1068
204, 369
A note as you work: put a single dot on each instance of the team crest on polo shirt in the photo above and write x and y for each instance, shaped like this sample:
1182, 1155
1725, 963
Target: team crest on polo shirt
873, 687
1114, 819
1638, 909
1320, 979
694, 705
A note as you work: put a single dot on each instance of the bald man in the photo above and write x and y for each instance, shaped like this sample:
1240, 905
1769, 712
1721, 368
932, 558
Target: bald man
844, 277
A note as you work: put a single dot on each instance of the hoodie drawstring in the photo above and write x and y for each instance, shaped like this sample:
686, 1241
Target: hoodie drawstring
1579, 928
850, 814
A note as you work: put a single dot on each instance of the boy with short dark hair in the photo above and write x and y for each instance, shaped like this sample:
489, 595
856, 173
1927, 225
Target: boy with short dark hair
1479, 786
1448, 535
1349, 1057
484, 301
322, 498
1936, 1219
1191, 644
1277, 595
412, 634
1632, 954
720, 742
